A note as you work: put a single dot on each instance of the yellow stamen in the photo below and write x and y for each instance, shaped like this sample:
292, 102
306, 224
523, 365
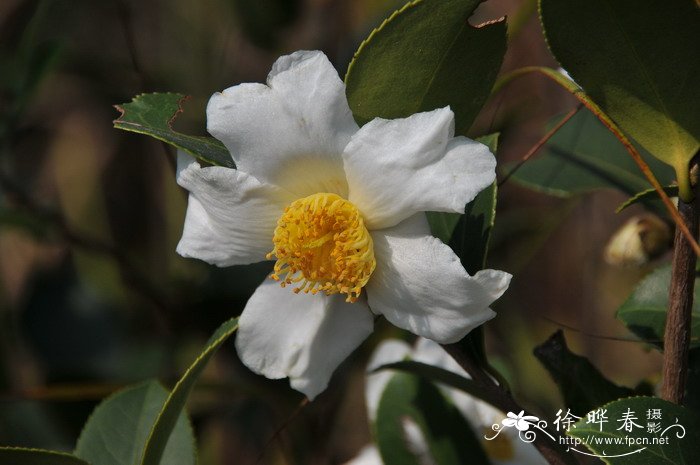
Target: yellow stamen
322, 244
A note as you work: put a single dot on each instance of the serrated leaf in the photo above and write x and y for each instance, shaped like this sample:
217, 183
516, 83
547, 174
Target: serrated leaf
584, 156
581, 384
644, 311
117, 430
681, 445
173, 407
426, 56
24, 456
153, 115
647, 196
638, 61
445, 433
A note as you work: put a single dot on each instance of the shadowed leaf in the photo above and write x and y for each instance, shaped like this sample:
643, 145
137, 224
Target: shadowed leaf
676, 442
153, 114
426, 56
644, 311
445, 436
639, 62
581, 384
22, 456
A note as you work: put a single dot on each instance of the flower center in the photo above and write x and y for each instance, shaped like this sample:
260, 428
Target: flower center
322, 244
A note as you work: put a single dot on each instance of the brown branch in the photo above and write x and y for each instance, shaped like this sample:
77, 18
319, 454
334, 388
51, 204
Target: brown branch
680, 307
504, 401
581, 96
535, 148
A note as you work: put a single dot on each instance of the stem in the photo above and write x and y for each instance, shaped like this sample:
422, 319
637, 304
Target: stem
581, 96
680, 306
543, 140
504, 401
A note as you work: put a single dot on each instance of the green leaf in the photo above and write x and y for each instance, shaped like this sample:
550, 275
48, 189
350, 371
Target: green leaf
443, 224
468, 234
440, 375
471, 237
116, 432
648, 196
449, 438
153, 115
584, 156
470, 241
644, 311
426, 56
22, 456
158, 439
681, 443
639, 62
580, 383
491, 141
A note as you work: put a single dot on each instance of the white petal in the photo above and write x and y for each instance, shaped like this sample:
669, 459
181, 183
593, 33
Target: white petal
231, 216
300, 336
396, 168
416, 443
420, 285
369, 455
292, 131
389, 351
430, 352
183, 162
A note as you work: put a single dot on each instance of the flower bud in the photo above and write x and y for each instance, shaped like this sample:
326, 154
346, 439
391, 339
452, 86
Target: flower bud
639, 240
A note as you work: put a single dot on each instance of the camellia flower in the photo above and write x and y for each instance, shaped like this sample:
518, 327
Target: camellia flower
340, 209
505, 449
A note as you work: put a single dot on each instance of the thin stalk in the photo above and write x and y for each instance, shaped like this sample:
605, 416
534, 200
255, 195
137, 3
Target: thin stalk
581, 96
680, 306
540, 143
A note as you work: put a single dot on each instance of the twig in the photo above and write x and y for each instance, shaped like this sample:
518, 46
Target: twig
680, 307
535, 148
617, 132
550, 450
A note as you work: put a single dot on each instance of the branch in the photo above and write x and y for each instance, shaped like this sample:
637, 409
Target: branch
504, 401
680, 307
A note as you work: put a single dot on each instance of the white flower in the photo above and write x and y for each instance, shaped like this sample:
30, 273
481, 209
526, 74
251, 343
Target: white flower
506, 449
341, 209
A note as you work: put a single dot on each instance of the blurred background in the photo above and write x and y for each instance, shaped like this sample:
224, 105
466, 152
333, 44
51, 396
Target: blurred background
93, 295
